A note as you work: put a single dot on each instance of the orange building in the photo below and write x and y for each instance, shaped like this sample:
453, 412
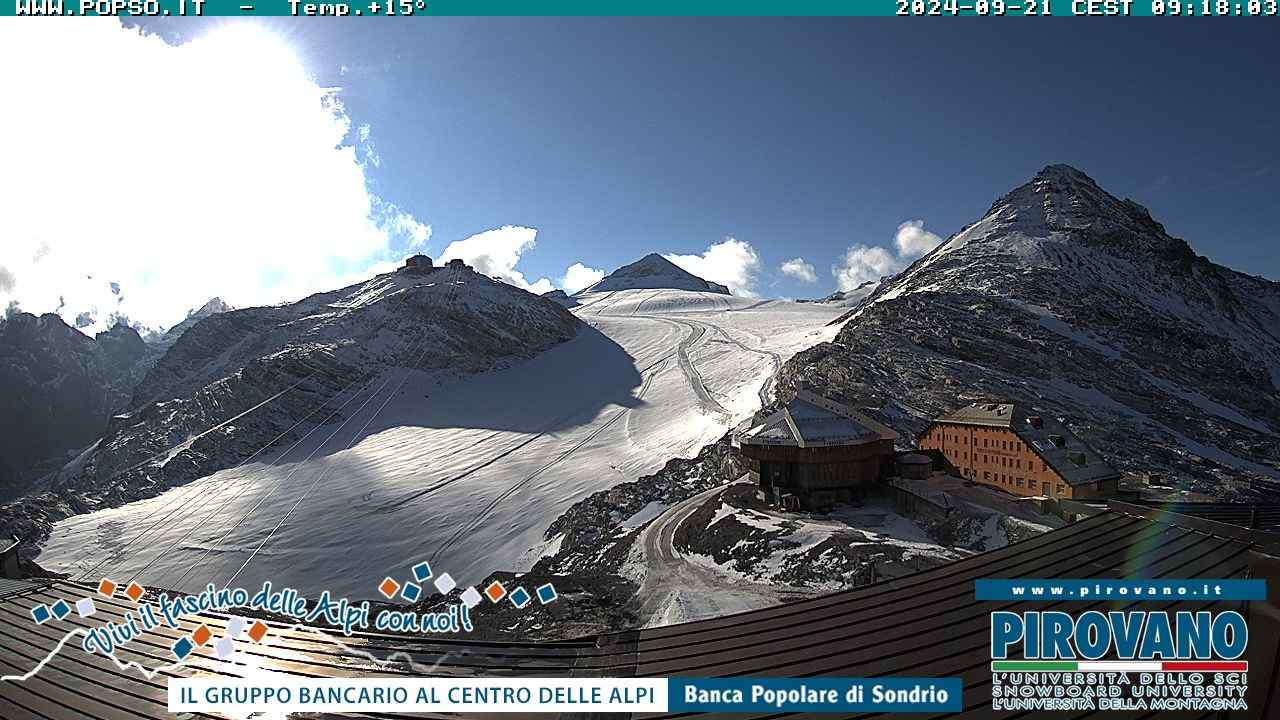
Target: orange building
998, 444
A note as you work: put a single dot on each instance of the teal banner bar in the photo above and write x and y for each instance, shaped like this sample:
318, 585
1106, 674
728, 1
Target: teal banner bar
917, 9
815, 695
1206, 589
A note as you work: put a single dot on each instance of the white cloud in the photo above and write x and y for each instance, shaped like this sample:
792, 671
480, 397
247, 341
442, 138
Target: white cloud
863, 263
496, 252
400, 224
732, 263
800, 270
913, 241
579, 276
223, 169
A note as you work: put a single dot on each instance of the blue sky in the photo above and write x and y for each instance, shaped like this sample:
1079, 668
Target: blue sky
615, 137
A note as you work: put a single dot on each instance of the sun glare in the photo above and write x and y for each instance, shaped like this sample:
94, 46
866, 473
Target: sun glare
249, 47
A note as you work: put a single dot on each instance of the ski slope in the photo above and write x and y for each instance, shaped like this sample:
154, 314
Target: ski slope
466, 472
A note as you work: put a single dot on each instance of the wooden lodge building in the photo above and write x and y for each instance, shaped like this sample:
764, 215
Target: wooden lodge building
1030, 455
815, 452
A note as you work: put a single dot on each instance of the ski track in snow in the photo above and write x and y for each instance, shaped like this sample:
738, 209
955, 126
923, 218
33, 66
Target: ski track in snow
467, 470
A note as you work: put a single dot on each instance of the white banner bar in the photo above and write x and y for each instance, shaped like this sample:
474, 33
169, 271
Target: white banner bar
496, 695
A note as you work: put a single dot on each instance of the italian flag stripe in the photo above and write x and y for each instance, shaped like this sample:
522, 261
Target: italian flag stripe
1117, 666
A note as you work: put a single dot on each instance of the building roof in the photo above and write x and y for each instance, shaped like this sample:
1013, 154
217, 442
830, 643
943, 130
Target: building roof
915, 459
987, 414
1069, 456
1262, 516
811, 420
927, 624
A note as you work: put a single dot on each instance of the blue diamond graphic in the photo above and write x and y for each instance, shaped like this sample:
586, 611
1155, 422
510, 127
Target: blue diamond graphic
61, 609
411, 592
520, 597
422, 572
546, 593
40, 614
182, 648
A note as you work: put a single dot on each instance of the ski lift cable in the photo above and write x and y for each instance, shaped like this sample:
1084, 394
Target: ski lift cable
191, 440
332, 435
248, 513
268, 495
240, 481
201, 497
451, 294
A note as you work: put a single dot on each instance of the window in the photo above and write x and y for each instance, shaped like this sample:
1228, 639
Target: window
1019, 482
1061, 489
1031, 484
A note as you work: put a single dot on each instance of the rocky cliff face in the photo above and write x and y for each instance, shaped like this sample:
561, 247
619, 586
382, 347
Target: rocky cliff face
59, 388
166, 339
281, 363
1081, 304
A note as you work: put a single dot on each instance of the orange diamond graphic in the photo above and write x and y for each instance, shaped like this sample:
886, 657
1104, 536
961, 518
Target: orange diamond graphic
495, 591
258, 631
106, 588
389, 588
201, 635
134, 591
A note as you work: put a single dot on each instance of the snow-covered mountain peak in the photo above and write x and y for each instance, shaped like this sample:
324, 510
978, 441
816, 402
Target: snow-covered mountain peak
852, 297
654, 272
1067, 298
1062, 200
213, 307
1060, 238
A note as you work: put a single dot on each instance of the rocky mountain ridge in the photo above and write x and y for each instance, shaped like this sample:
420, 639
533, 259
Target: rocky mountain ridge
653, 272
60, 387
849, 298
67, 384
166, 339
1082, 305
269, 368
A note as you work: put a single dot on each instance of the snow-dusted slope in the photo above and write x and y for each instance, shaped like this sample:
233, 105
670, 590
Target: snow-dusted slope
1067, 298
252, 381
467, 472
653, 272
166, 339
850, 298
